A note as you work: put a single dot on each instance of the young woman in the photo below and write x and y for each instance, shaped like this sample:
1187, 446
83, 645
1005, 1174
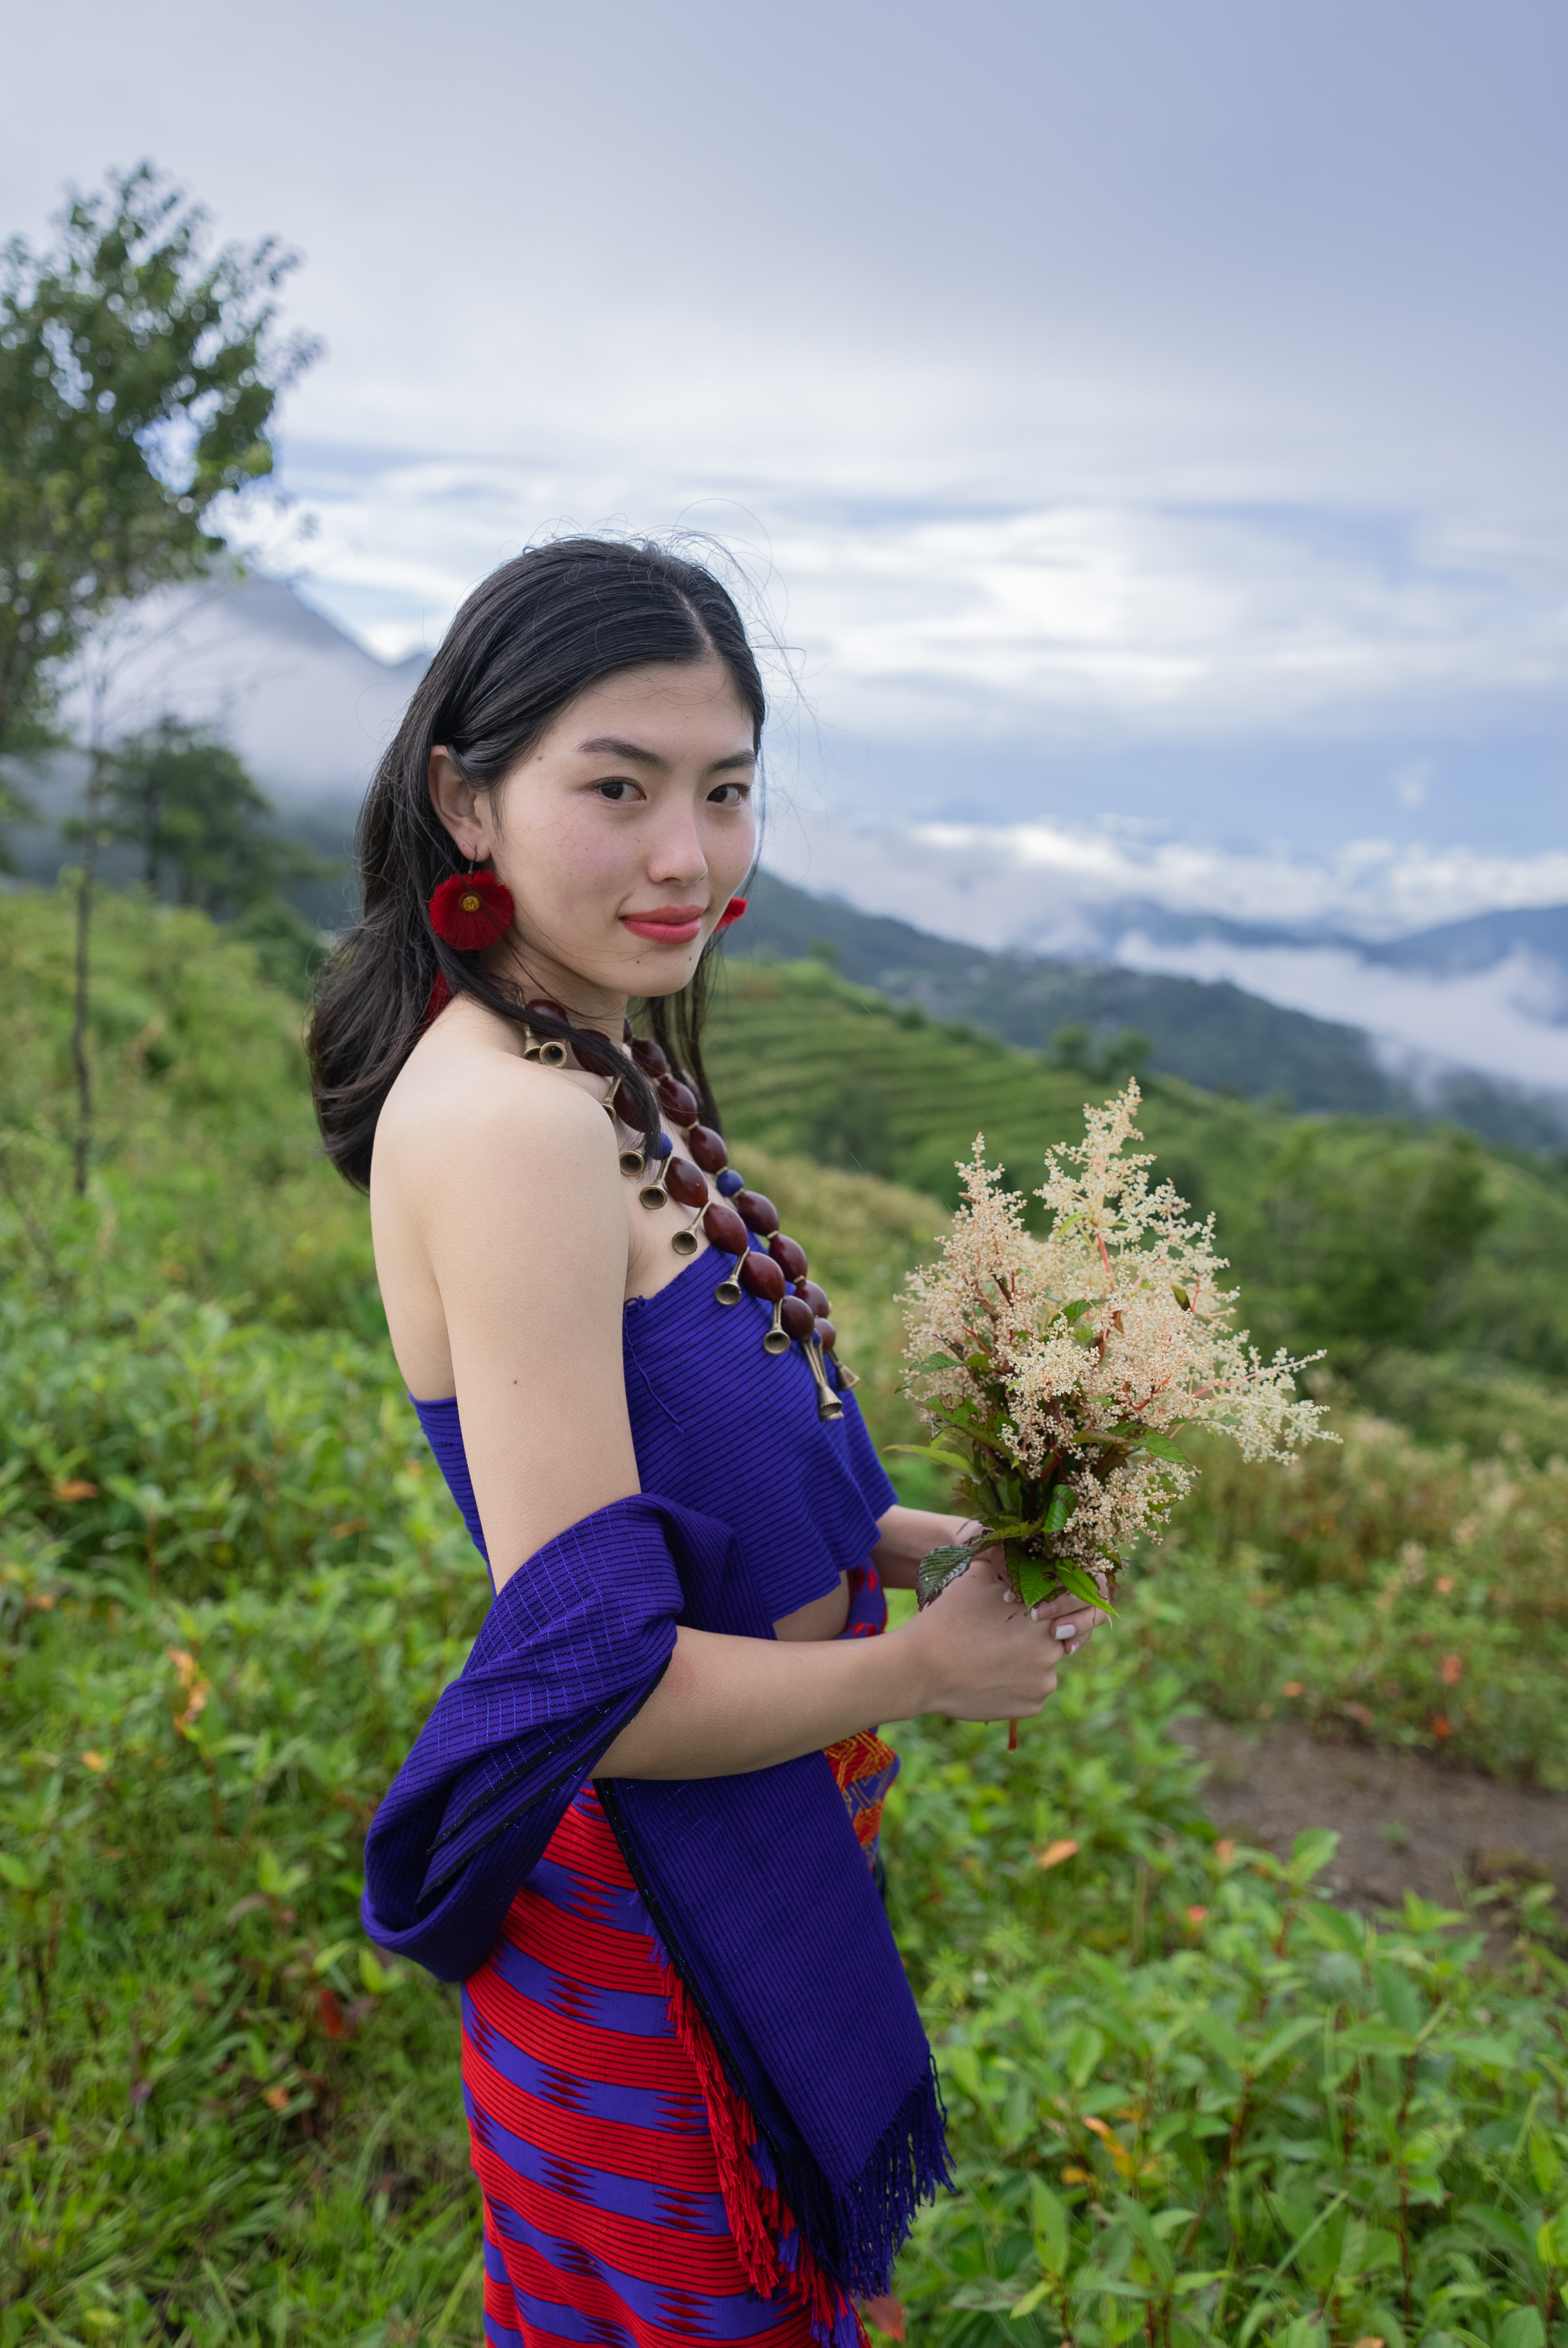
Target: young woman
640, 1827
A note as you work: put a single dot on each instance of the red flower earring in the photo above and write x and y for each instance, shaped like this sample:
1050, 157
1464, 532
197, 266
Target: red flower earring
731, 915
471, 910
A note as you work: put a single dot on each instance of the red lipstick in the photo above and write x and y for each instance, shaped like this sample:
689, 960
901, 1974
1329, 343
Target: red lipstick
666, 925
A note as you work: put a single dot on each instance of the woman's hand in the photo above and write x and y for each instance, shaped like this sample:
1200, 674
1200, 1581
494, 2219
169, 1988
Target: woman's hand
909, 1534
985, 1656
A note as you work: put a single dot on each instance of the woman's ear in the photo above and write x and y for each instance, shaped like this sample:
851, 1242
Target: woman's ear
465, 811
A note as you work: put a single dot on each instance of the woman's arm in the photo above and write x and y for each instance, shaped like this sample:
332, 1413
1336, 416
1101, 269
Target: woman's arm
725, 1705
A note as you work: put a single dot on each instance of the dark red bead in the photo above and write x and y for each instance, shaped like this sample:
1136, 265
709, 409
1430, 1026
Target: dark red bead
762, 1275
708, 1149
827, 1335
815, 1296
684, 1183
726, 1229
649, 1058
789, 1255
543, 1010
680, 1101
798, 1319
759, 1214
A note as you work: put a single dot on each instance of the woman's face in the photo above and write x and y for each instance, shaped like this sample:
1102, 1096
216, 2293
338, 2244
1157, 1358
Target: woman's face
622, 834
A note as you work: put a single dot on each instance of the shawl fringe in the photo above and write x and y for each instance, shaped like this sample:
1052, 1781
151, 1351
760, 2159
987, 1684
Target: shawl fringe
772, 2248
774, 2229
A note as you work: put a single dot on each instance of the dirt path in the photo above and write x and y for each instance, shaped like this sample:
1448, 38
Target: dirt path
1404, 1824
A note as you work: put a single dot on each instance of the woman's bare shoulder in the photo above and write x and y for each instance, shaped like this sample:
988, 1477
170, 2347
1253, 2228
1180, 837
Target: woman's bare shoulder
465, 1104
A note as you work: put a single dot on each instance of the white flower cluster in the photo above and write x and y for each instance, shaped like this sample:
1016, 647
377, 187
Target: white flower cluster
1072, 1361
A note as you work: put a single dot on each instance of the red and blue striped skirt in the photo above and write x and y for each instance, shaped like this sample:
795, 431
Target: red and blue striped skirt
600, 2123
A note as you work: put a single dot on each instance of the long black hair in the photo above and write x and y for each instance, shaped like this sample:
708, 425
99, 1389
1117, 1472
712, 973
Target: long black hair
526, 641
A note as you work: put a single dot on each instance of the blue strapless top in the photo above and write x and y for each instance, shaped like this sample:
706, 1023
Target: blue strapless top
726, 1430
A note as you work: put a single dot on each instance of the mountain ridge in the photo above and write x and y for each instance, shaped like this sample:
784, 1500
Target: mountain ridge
1213, 1032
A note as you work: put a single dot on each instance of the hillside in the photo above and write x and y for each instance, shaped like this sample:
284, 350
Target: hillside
1431, 1266
232, 1585
1214, 1034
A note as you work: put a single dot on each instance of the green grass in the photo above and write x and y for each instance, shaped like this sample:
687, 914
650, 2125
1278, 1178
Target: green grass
1191, 2102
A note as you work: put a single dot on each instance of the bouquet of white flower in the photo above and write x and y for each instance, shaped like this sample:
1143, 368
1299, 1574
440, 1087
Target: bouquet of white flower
1055, 1374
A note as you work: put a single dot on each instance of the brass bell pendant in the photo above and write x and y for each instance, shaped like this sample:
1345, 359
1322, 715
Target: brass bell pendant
549, 1052
728, 1291
828, 1406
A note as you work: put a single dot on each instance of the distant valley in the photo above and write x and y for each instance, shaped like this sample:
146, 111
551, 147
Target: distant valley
1209, 1031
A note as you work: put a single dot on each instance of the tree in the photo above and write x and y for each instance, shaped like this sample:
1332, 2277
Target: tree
1109, 1060
1371, 1235
137, 382
181, 798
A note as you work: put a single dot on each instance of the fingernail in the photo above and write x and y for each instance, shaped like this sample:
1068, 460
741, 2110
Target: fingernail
1034, 1614
1066, 1630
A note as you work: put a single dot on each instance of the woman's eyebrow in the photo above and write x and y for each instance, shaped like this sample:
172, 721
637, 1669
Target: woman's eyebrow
609, 746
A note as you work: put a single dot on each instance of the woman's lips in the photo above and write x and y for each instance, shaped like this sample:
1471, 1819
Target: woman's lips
667, 925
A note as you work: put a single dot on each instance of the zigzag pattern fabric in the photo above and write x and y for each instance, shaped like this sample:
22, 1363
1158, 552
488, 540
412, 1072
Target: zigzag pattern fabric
590, 2126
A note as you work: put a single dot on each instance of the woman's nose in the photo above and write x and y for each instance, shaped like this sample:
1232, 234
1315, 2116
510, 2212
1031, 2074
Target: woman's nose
675, 853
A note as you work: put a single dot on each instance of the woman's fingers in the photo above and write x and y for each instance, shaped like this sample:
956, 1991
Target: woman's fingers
1070, 1630
1074, 1629
997, 1658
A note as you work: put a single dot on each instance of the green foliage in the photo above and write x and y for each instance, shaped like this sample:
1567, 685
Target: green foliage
1371, 1235
1109, 1060
1191, 2101
1254, 2117
1381, 1590
184, 801
223, 2112
209, 1179
137, 382
16, 806
289, 949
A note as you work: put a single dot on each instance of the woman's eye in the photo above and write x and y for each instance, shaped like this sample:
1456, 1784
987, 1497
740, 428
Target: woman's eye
730, 795
616, 792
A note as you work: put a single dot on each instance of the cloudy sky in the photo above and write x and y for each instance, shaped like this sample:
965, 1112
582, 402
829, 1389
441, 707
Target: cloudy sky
1132, 418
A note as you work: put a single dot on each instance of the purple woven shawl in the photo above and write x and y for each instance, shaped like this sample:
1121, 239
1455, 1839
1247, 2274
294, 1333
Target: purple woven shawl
756, 1884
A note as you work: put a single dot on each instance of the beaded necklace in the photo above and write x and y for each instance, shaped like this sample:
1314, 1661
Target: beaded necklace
779, 1277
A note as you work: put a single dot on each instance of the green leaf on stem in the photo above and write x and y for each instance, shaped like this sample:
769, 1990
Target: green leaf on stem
1073, 1579
1031, 1579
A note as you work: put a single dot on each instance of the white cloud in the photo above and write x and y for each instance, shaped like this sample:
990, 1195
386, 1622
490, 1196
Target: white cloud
1499, 1021
1098, 622
1056, 888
